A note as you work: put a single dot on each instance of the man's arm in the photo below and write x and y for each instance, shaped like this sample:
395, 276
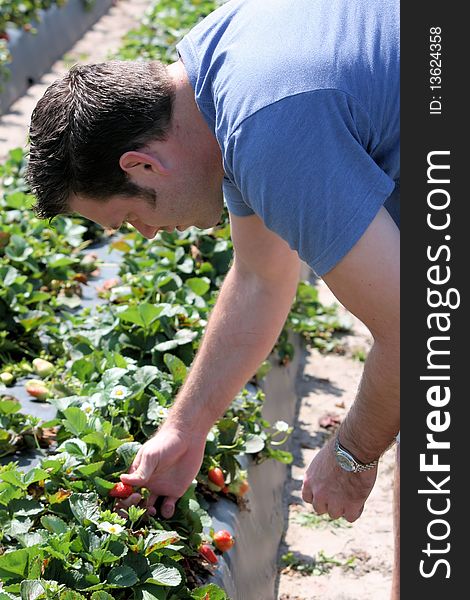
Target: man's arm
367, 282
248, 316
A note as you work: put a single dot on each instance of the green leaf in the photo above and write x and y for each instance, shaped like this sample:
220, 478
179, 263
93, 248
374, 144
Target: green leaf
84, 507
160, 539
75, 447
105, 556
137, 562
54, 524
25, 507
14, 478
71, 302
33, 538
83, 368
35, 475
14, 565
122, 576
228, 431
60, 260
16, 527
10, 276
18, 249
31, 589
281, 456
9, 407
96, 438
76, 421
176, 367
149, 591
199, 285
145, 375
101, 595
127, 452
163, 575
91, 469
68, 594
209, 592
102, 485
254, 443
168, 345
33, 319
142, 315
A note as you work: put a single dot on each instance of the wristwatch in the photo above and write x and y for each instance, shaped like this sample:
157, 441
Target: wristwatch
348, 462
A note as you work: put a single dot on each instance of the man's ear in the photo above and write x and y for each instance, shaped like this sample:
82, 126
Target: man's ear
136, 163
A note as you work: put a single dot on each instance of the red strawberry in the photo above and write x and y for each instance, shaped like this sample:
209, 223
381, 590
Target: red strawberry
206, 551
223, 540
121, 490
216, 475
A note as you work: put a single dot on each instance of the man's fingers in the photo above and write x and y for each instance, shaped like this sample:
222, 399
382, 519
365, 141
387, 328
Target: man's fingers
136, 462
150, 504
335, 511
168, 507
142, 473
353, 514
307, 495
123, 504
133, 499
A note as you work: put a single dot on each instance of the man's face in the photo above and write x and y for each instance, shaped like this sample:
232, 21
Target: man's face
179, 207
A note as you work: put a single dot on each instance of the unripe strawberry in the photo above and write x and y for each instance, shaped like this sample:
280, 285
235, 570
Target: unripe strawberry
121, 490
37, 388
6, 378
239, 488
42, 367
223, 540
206, 551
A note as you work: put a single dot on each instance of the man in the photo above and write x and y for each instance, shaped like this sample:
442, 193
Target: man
290, 108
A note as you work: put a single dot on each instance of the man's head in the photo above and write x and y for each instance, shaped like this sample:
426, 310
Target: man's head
106, 141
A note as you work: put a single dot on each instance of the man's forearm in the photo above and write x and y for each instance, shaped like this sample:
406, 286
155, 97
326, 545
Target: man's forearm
374, 419
243, 327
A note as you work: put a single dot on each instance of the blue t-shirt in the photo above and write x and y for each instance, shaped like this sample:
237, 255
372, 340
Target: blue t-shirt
303, 98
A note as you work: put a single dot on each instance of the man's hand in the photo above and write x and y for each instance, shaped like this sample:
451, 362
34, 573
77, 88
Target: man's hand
334, 491
166, 465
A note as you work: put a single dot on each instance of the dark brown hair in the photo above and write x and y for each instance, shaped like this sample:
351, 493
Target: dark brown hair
85, 122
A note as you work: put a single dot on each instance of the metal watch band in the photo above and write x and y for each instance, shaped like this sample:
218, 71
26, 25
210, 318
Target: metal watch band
360, 467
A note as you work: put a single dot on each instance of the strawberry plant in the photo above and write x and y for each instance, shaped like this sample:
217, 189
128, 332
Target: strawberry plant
19, 431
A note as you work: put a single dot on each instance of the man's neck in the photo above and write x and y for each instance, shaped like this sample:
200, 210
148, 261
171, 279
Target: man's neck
187, 123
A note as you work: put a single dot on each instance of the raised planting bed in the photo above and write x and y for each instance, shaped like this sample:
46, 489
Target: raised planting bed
32, 54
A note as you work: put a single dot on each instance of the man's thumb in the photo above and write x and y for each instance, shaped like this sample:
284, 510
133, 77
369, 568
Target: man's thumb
135, 478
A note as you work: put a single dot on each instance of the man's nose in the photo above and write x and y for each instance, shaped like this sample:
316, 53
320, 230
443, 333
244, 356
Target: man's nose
148, 231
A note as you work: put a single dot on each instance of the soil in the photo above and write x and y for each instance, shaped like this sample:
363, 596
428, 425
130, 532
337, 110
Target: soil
326, 389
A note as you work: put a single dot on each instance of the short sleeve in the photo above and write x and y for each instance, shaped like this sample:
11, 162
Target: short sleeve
302, 165
235, 203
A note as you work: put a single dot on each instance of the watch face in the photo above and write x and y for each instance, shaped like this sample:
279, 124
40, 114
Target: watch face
345, 462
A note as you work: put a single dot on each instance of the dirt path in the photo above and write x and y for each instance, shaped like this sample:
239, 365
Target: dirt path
364, 549
96, 45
